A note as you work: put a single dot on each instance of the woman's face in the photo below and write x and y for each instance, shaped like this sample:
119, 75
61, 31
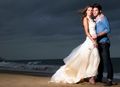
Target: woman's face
89, 11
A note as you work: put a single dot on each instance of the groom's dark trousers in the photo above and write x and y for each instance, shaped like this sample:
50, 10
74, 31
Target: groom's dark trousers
105, 61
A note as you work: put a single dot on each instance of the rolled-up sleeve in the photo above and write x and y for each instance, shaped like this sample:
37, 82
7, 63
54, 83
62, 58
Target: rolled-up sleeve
106, 25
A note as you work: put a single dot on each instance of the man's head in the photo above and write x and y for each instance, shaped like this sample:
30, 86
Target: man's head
97, 9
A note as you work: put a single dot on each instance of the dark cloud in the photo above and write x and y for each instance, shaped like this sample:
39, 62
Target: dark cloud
44, 17
34, 16
37, 21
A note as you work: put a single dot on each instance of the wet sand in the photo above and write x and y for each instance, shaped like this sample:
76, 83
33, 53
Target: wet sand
22, 80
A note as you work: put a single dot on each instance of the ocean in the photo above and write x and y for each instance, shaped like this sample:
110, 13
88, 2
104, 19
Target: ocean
44, 66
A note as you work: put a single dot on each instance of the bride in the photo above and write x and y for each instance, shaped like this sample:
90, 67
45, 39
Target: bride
83, 61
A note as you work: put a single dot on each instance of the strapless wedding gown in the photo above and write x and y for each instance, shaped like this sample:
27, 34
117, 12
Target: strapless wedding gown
81, 63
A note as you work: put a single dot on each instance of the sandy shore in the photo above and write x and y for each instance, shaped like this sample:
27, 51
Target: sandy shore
20, 80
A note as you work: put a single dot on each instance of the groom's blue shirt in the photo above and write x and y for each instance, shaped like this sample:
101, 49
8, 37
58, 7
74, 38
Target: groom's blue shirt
102, 25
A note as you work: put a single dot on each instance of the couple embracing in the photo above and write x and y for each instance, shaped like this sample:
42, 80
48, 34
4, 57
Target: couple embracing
87, 61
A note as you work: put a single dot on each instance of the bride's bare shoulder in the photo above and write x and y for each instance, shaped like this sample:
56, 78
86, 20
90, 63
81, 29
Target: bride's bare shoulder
85, 19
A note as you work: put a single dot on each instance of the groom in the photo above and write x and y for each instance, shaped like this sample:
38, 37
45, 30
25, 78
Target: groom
102, 29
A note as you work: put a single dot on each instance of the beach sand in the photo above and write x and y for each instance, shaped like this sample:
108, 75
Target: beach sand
21, 80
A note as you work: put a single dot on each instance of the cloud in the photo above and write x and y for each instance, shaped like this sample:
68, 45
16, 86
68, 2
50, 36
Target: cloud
35, 17
44, 17
37, 21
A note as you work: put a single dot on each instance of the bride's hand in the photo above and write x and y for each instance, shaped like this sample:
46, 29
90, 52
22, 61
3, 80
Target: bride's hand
94, 37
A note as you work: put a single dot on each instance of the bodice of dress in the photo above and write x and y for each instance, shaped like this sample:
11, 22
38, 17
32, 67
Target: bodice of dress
91, 26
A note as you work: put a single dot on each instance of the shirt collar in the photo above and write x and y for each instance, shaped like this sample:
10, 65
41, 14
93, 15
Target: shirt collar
99, 18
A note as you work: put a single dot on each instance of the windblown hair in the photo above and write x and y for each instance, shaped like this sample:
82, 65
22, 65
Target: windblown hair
83, 11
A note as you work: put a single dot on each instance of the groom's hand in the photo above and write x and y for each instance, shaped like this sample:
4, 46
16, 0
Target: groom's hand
95, 44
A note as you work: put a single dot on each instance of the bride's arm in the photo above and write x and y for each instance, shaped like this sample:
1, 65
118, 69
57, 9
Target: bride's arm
86, 28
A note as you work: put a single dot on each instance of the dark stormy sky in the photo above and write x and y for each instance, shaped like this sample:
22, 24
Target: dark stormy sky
48, 29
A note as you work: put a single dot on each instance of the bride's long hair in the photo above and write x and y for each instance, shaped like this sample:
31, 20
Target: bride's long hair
83, 11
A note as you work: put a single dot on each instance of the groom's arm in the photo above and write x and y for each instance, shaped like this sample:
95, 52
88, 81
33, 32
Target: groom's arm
101, 34
106, 30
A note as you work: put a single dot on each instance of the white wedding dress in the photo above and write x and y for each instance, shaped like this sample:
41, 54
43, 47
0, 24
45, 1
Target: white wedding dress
81, 63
